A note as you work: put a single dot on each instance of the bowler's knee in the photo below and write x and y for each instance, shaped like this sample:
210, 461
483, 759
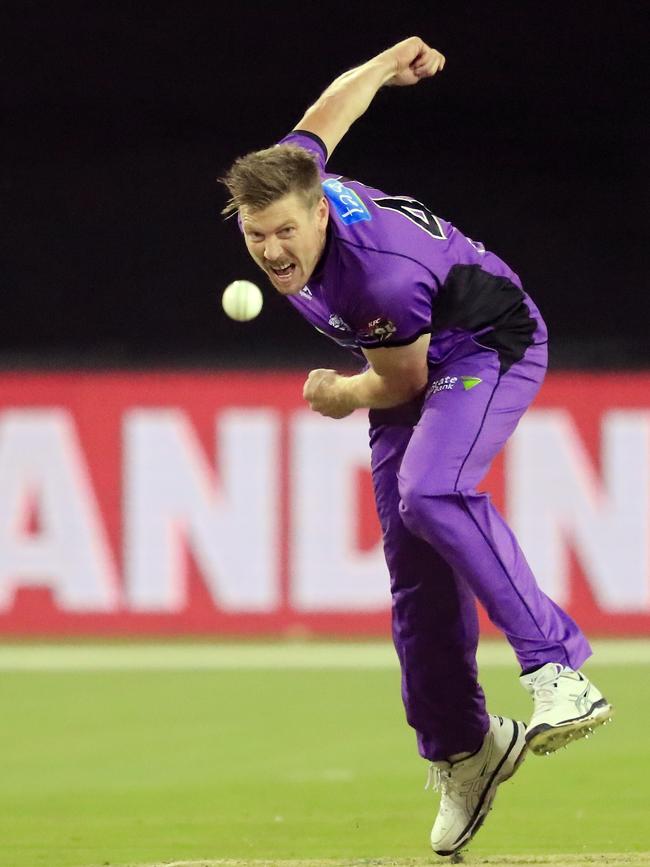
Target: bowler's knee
414, 506
425, 512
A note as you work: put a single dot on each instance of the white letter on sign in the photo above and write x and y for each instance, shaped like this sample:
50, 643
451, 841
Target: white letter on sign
556, 499
172, 496
42, 465
329, 573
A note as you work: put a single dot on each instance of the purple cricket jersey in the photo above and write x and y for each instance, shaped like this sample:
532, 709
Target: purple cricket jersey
392, 271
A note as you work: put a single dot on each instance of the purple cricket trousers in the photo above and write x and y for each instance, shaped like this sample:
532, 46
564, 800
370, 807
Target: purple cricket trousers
446, 545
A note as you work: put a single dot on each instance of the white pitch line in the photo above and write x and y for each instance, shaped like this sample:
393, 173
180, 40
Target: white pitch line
279, 656
607, 859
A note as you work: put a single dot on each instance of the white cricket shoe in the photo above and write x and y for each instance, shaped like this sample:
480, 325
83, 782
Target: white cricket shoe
468, 787
567, 707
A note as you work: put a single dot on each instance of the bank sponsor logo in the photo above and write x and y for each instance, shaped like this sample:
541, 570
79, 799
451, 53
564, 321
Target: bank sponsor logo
447, 383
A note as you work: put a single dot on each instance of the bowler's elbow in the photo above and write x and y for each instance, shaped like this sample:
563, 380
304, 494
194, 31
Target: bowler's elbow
414, 381
404, 368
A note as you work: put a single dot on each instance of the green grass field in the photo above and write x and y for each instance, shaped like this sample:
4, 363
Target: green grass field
126, 758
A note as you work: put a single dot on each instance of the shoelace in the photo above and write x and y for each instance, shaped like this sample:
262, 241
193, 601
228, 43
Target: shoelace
439, 777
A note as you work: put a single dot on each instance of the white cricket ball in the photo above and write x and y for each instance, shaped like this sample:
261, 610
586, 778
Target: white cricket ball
242, 300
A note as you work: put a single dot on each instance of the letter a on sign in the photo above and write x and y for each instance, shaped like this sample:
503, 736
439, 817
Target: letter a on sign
41, 463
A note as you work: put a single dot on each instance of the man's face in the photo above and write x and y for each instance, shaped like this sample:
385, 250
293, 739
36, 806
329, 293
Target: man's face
286, 240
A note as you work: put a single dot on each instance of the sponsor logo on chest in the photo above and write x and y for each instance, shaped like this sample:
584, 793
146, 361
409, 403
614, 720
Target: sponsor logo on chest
336, 322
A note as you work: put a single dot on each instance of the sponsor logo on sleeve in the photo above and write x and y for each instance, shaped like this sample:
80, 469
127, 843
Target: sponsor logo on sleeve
347, 203
379, 329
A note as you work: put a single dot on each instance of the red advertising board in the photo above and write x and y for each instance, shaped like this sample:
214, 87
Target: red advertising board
217, 503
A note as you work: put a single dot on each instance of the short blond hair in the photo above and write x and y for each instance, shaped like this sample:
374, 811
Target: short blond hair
260, 178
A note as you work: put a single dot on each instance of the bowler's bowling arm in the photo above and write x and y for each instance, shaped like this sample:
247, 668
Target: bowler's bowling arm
349, 95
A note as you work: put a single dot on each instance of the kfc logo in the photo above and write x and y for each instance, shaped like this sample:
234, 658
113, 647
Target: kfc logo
378, 329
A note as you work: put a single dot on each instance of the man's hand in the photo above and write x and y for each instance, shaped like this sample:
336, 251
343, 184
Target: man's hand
324, 391
414, 60
395, 375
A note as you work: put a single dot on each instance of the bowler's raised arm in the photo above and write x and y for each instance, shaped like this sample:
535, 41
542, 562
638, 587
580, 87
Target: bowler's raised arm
349, 95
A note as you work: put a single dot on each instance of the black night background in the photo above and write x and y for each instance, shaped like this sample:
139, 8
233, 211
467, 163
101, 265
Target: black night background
119, 117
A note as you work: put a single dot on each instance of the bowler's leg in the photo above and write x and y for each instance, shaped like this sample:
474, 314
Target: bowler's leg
460, 431
435, 627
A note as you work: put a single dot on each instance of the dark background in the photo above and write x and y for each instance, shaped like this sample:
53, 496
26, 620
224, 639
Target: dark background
118, 118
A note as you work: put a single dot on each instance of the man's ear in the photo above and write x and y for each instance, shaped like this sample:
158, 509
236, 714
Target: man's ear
323, 212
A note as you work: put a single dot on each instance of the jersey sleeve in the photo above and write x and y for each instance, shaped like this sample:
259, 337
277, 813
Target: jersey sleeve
310, 142
394, 309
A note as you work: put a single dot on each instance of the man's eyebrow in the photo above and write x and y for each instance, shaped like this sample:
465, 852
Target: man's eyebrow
282, 226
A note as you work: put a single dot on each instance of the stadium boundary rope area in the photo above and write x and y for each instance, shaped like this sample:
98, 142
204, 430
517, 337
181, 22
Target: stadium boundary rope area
192, 656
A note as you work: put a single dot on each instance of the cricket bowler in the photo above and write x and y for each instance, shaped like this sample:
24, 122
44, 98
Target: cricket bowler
454, 351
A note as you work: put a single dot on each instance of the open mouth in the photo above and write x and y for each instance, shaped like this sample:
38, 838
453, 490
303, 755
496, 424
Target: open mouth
285, 274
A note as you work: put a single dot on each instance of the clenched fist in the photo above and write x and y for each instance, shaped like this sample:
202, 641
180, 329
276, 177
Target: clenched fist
414, 60
325, 392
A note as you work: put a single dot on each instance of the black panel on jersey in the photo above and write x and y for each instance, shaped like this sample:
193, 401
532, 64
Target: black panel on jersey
474, 300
